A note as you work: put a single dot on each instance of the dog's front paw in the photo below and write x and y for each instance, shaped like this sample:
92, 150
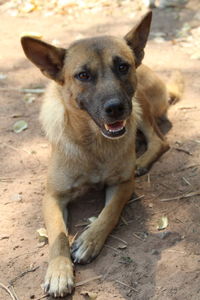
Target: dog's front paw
59, 279
87, 246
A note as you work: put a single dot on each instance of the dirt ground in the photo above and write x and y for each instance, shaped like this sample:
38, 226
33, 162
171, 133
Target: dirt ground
156, 265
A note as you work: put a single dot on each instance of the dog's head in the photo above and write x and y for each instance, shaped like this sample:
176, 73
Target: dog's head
97, 74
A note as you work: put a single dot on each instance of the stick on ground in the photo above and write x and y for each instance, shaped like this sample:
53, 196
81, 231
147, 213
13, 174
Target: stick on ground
130, 287
5, 288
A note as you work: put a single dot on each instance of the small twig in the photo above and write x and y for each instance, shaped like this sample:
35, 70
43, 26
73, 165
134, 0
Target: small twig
135, 199
118, 239
149, 178
130, 287
183, 150
74, 237
187, 107
181, 196
14, 293
110, 247
22, 274
180, 220
186, 181
138, 237
31, 252
16, 149
178, 251
7, 290
80, 283
124, 220
42, 297
6, 179
26, 151
188, 167
81, 224
31, 91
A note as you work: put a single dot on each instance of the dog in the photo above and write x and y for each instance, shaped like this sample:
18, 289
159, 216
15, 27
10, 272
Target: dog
100, 95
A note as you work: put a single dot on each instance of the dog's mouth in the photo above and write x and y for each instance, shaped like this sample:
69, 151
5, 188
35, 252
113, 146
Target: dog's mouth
114, 130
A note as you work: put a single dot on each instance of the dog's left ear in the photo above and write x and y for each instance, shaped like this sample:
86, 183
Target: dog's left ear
47, 58
137, 37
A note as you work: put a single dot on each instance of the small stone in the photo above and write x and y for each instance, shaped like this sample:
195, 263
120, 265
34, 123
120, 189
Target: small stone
163, 235
154, 252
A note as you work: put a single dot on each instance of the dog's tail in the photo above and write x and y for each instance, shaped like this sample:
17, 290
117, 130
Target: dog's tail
175, 87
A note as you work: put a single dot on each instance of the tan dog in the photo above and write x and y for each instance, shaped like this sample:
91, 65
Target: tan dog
90, 114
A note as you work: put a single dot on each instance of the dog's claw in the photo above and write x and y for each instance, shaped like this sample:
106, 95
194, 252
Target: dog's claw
46, 288
87, 246
140, 171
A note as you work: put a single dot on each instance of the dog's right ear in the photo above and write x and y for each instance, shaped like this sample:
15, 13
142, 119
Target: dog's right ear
47, 58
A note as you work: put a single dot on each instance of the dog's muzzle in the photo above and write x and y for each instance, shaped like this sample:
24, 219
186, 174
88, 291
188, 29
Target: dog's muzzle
115, 113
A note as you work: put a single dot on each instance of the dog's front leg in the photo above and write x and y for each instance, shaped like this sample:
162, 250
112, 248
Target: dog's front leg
90, 242
59, 279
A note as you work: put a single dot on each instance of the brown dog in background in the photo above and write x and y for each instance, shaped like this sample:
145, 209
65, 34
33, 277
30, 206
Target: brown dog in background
100, 96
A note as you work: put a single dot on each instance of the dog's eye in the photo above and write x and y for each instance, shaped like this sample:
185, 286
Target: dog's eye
83, 76
123, 68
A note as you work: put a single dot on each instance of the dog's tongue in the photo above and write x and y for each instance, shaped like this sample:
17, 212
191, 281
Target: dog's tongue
119, 125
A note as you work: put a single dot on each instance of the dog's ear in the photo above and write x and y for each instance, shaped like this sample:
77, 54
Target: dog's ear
137, 37
47, 58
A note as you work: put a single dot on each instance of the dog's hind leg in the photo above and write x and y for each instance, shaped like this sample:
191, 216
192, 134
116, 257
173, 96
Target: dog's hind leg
156, 143
91, 241
59, 279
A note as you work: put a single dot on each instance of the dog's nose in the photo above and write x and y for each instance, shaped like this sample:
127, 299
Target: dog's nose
114, 108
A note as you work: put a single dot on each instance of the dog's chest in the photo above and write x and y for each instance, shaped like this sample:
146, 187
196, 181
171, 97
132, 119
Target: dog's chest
106, 165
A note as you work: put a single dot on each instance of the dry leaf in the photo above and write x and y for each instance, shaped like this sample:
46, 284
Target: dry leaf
29, 98
162, 223
92, 219
3, 76
16, 197
43, 236
122, 246
19, 126
89, 295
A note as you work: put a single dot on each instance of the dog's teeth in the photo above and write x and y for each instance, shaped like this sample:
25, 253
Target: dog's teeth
107, 127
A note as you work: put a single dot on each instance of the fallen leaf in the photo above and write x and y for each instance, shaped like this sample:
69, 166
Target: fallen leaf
16, 197
92, 219
3, 76
27, 7
29, 98
195, 56
126, 260
162, 223
19, 126
159, 40
122, 246
43, 236
89, 295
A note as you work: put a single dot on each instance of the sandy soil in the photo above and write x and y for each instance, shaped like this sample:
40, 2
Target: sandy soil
157, 265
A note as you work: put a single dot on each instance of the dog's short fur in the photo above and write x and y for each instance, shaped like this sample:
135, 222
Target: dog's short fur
100, 95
